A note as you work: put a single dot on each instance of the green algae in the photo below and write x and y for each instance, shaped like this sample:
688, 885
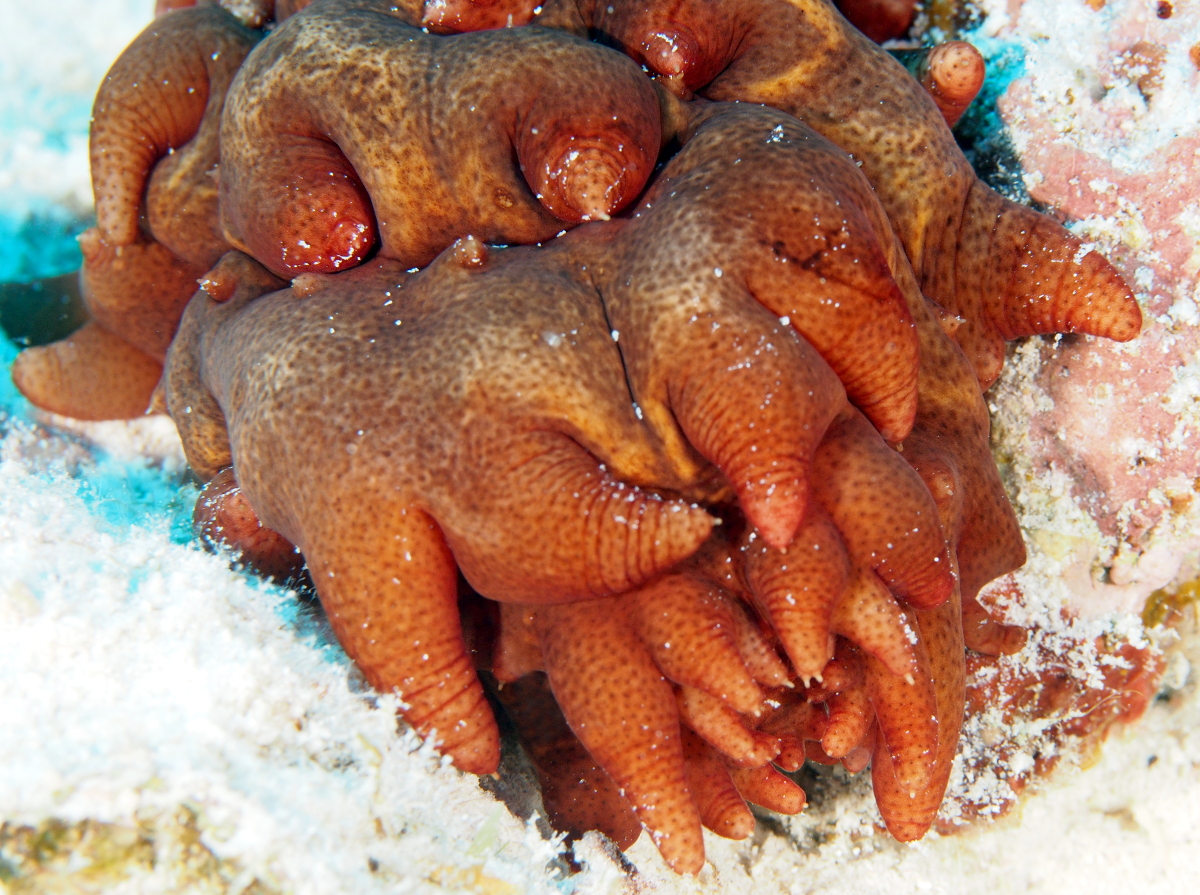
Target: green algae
91, 856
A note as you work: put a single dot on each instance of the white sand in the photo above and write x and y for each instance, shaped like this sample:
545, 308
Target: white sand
52, 57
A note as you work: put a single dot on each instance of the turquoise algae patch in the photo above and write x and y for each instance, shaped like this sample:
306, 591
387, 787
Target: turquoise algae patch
128, 496
1005, 63
981, 132
40, 243
43, 146
122, 492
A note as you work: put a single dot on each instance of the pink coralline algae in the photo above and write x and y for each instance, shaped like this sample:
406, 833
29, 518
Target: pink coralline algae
1109, 140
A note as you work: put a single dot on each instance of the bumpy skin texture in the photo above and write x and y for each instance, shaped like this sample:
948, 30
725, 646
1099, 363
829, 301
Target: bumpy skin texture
632, 730
870, 520
780, 268
577, 794
107, 370
165, 94
154, 153
398, 428
137, 291
390, 426
896, 704
948, 448
718, 346
90, 375
952, 73
690, 632
514, 134
869, 512
1006, 270
897, 700
871, 517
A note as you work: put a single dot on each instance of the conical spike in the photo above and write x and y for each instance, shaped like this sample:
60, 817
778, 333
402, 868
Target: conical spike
630, 728
153, 100
1027, 276
90, 375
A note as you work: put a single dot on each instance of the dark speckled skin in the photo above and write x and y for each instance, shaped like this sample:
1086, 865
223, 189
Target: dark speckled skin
913, 728
393, 425
480, 415
752, 283
680, 634
154, 156
1007, 270
492, 372
503, 359
165, 95
858, 483
455, 434
349, 117
948, 447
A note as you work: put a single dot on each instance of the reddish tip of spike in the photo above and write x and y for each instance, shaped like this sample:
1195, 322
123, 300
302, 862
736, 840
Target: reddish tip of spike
953, 75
